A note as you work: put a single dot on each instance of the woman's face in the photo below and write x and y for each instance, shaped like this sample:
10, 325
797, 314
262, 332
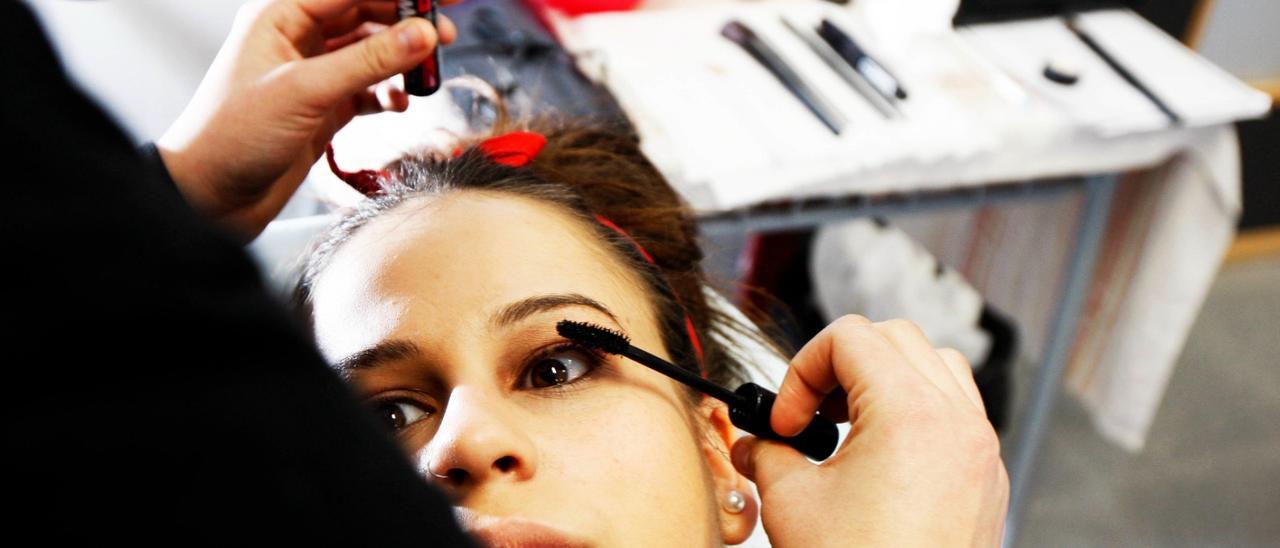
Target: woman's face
443, 314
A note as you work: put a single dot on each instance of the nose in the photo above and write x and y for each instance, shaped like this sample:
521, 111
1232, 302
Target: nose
478, 441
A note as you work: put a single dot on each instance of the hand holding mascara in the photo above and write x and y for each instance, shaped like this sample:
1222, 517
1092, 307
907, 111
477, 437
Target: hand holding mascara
921, 465
750, 406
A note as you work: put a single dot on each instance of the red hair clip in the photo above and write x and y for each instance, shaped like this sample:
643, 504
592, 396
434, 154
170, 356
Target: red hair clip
367, 181
515, 149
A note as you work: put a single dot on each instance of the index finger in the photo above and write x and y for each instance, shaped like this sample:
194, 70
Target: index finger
848, 354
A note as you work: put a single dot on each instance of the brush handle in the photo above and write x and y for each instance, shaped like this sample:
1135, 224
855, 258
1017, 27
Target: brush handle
817, 441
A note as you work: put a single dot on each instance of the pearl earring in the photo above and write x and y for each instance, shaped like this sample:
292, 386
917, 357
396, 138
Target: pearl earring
735, 502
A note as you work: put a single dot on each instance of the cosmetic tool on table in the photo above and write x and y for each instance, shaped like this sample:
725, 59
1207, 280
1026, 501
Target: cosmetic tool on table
760, 50
879, 77
1073, 24
842, 69
749, 406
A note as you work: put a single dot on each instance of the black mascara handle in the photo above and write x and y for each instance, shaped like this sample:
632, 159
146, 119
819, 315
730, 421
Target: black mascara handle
817, 441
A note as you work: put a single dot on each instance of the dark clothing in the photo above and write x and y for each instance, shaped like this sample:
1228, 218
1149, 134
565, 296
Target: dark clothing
154, 391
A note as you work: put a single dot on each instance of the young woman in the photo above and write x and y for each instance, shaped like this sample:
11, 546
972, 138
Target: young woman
437, 298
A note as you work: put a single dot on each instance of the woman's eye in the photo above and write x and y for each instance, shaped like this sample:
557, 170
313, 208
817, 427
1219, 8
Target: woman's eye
557, 368
399, 414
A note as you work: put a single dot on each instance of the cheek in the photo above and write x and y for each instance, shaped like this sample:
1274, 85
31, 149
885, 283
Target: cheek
628, 456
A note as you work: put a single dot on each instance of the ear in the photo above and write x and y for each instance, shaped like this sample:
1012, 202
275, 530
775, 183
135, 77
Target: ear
734, 528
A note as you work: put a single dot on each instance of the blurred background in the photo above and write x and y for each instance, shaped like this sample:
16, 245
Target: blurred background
1083, 196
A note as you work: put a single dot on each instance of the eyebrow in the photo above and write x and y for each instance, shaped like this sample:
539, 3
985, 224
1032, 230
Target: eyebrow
522, 309
399, 349
385, 351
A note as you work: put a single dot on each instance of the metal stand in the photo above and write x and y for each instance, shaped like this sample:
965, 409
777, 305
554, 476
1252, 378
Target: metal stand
1035, 421
813, 212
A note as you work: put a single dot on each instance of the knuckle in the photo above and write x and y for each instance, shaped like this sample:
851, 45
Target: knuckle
902, 326
850, 321
953, 355
377, 55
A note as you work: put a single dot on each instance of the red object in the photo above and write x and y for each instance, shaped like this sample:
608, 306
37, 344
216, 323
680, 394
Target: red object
515, 149
367, 181
688, 322
579, 7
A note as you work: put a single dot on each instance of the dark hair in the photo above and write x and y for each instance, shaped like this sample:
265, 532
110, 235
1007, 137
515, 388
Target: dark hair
586, 170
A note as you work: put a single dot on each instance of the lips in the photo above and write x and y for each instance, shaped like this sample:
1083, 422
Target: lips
514, 532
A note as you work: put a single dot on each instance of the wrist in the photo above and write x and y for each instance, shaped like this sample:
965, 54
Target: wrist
191, 183
199, 189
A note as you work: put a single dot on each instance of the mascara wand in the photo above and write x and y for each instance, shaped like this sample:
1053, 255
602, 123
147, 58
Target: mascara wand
749, 406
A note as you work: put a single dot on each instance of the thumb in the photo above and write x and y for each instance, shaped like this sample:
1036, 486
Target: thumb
766, 462
337, 75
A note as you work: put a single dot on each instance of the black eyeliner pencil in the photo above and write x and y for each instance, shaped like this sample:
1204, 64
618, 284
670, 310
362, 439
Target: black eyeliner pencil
1073, 24
876, 74
843, 70
741, 34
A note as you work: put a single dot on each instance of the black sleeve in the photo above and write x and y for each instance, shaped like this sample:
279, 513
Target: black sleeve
153, 390
153, 163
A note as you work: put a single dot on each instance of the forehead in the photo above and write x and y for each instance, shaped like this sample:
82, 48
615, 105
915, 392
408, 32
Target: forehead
439, 267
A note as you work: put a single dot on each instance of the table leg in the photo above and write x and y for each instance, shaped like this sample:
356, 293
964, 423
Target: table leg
1034, 423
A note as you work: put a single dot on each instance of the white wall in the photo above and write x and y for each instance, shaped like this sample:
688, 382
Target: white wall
1243, 36
141, 58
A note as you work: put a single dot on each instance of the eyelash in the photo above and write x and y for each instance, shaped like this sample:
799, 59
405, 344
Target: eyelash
398, 396
594, 360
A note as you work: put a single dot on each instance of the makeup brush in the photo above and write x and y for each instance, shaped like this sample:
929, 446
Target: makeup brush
749, 406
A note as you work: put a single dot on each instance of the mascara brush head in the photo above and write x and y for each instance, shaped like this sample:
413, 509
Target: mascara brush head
593, 336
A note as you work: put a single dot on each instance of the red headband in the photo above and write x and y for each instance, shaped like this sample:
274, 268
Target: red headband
688, 322
515, 149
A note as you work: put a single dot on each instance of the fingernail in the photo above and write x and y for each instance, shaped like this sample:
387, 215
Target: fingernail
412, 39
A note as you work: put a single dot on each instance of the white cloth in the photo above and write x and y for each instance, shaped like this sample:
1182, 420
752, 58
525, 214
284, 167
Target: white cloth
1143, 307
860, 267
1168, 230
